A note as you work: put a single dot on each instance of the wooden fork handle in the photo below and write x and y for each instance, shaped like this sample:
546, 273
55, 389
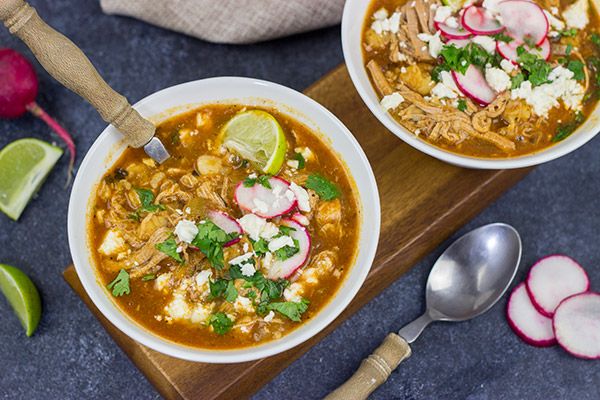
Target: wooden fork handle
374, 370
68, 65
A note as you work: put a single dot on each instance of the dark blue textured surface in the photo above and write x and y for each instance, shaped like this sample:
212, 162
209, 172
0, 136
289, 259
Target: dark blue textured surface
71, 356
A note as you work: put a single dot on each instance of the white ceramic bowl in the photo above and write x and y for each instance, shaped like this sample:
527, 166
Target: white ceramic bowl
109, 145
352, 23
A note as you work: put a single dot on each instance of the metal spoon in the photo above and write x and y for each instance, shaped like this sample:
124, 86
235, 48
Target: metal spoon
68, 65
466, 281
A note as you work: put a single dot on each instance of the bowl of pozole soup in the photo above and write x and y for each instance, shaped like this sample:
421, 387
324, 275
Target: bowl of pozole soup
481, 84
248, 241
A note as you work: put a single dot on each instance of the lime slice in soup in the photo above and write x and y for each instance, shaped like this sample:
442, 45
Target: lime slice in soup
454, 4
22, 295
257, 137
24, 163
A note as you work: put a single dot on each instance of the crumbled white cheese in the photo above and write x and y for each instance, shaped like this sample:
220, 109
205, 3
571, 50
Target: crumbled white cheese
491, 5
382, 13
293, 292
242, 303
544, 97
269, 317
247, 269
269, 230
202, 278
260, 206
383, 24
442, 13
305, 151
293, 164
446, 88
301, 196
486, 42
241, 259
280, 242
452, 22
112, 243
267, 260
434, 41
200, 314
161, 281
554, 10
554, 22
252, 225
497, 79
507, 66
186, 230
576, 15
392, 101
245, 247
178, 308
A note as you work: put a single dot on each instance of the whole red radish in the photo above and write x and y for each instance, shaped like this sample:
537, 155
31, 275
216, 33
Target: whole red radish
18, 91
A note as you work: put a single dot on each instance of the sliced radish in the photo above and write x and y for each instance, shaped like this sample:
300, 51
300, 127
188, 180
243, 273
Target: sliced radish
458, 43
554, 278
524, 20
509, 50
301, 219
452, 33
265, 202
526, 321
474, 85
227, 223
480, 21
577, 325
285, 268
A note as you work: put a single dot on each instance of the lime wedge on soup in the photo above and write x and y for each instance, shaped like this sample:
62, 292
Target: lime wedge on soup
22, 295
24, 163
257, 137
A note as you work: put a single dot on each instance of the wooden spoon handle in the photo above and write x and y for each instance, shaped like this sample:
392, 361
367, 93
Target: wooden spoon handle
68, 65
374, 370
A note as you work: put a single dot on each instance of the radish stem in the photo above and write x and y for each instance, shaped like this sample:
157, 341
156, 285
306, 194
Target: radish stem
39, 112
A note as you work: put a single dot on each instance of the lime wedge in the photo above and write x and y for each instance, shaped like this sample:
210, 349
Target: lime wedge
22, 296
24, 163
454, 4
257, 137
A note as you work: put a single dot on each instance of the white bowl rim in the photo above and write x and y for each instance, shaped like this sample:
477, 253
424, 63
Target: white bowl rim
346, 292
357, 72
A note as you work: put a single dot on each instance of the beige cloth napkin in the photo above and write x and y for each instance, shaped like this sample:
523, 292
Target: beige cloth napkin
232, 21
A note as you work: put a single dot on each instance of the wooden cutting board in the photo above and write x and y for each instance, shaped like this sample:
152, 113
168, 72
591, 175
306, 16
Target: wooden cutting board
423, 201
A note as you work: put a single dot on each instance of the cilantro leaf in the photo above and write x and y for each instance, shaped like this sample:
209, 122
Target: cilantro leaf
565, 130
568, 32
517, 80
148, 277
437, 71
595, 38
459, 59
260, 247
290, 309
220, 323
323, 187
287, 251
210, 240
217, 287
120, 285
169, 247
300, 158
501, 37
462, 105
147, 200
537, 69
285, 230
577, 68
261, 179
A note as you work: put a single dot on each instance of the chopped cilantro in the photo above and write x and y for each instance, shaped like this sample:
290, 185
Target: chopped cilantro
595, 38
120, 285
460, 59
148, 277
437, 71
223, 288
135, 216
568, 49
262, 179
577, 68
565, 130
300, 158
285, 230
568, 32
260, 247
517, 80
169, 247
501, 37
323, 187
210, 240
537, 69
462, 105
290, 309
147, 200
287, 251
251, 294
220, 323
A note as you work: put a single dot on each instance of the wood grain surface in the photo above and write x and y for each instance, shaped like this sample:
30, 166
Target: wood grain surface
423, 202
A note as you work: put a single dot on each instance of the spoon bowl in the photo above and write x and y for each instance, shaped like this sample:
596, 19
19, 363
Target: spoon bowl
473, 273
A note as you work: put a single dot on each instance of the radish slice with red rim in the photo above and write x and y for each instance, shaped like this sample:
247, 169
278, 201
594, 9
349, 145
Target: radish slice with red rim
524, 20
458, 43
480, 21
265, 202
227, 223
509, 50
285, 268
452, 33
554, 278
474, 85
577, 325
526, 321
301, 219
